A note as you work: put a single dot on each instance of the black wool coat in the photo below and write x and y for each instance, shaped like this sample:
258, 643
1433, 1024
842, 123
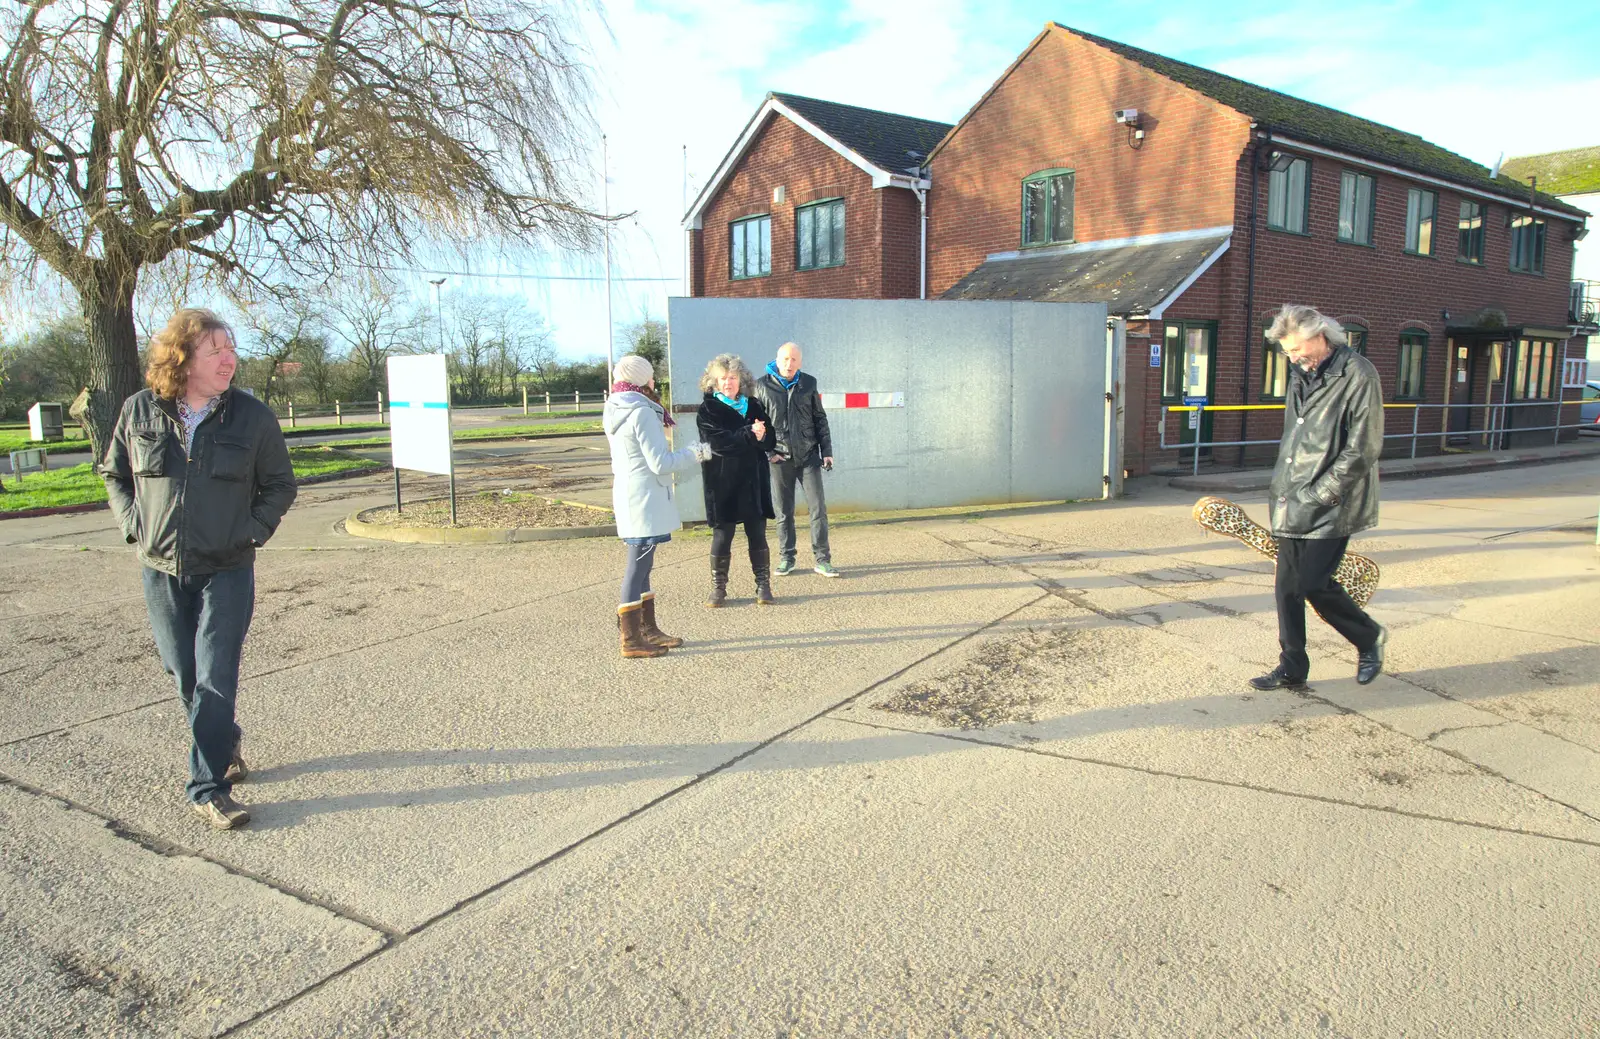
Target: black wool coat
738, 486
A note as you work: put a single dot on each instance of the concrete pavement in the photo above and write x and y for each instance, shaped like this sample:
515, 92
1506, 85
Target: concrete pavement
1003, 779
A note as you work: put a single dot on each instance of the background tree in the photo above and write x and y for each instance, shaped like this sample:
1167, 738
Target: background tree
277, 330
372, 327
273, 140
647, 337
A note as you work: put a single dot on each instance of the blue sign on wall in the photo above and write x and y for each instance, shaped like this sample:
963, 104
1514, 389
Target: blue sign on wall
1155, 354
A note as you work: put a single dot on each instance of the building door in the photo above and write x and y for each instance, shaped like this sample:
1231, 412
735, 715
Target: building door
1190, 373
1463, 372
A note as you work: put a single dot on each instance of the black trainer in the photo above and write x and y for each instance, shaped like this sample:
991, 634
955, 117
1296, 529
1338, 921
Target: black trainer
1369, 665
1277, 678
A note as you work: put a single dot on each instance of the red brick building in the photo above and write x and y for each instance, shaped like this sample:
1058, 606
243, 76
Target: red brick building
1194, 204
815, 199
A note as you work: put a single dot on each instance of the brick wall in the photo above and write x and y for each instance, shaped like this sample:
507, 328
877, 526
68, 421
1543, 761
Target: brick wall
1380, 287
880, 238
1054, 109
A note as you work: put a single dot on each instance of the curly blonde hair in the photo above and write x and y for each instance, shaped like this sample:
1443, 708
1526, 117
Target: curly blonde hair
167, 373
721, 364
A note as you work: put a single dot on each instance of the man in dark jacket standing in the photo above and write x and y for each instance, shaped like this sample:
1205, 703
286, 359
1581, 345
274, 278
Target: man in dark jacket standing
804, 450
1324, 489
199, 476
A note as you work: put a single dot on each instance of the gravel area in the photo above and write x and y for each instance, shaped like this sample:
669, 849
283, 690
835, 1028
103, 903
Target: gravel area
493, 510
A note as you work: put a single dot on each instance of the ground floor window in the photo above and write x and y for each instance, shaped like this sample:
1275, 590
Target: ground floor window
1186, 360
1533, 377
1413, 357
1274, 370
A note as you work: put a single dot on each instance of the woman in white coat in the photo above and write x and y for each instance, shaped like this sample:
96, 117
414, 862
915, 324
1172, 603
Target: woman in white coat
642, 464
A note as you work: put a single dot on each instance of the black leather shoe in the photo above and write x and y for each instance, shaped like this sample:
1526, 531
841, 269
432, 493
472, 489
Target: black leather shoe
1369, 665
1277, 678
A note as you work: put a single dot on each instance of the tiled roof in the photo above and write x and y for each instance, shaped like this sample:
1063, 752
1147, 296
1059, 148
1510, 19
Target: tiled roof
1318, 124
1572, 172
896, 143
1129, 279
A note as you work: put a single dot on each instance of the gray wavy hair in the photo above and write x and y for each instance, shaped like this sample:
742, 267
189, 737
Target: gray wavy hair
1305, 323
726, 363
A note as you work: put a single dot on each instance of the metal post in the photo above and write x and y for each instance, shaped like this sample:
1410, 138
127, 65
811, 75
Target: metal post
452, 492
524, 400
605, 196
1199, 428
291, 414
577, 402
338, 413
1416, 412
380, 407
547, 402
397, 509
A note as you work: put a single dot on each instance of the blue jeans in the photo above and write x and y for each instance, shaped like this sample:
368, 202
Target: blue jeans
199, 623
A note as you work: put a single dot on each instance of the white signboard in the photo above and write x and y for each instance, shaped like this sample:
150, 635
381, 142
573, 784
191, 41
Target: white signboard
419, 415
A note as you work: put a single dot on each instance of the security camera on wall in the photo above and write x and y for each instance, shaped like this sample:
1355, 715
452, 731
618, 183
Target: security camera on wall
1127, 115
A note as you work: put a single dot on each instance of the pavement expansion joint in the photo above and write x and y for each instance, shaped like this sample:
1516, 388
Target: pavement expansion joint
395, 939
1231, 783
1081, 598
171, 849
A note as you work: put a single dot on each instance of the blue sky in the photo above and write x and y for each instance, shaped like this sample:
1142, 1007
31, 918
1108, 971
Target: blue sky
1476, 77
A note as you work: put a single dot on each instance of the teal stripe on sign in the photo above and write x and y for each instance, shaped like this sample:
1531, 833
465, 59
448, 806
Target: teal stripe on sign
417, 404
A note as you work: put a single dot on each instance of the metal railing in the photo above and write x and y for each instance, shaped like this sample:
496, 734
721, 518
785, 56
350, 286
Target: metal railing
1495, 428
367, 411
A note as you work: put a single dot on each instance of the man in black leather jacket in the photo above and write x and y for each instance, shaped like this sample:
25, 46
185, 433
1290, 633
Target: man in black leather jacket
198, 476
805, 449
1324, 489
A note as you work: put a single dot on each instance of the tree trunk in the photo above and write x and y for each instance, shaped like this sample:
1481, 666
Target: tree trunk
113, 361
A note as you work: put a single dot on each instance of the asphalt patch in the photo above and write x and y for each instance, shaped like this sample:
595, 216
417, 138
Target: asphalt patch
997, 685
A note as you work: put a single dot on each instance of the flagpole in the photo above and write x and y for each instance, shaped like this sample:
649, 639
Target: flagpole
605, 196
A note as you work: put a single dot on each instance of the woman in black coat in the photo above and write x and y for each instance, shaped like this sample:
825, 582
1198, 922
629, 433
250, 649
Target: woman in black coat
738, 487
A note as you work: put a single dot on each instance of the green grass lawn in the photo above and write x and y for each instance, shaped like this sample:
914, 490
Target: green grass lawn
17, 440
545, 428
79, 485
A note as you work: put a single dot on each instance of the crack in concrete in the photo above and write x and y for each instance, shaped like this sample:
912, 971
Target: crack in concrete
1430, 737
1310, 693
1230, 783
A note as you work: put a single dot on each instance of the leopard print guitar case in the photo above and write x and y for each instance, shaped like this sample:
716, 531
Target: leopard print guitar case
1358, 574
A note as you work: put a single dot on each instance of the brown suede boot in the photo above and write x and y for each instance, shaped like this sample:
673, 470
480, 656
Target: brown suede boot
647, 626
629, 619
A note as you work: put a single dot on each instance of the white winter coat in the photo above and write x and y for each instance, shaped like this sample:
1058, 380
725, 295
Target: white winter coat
642, 464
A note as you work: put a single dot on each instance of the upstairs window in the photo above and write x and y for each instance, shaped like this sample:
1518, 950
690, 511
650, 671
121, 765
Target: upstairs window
1527, 245
1413, 357
750, 248
819, 235
1047, 198
1356, 200
1471, 233
1288, 193
1420, 206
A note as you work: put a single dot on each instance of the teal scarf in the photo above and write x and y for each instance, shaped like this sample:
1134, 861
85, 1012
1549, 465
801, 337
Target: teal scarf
741, 404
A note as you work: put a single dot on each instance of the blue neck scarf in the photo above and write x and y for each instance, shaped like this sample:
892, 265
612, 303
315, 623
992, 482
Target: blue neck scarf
741, 403
788, 384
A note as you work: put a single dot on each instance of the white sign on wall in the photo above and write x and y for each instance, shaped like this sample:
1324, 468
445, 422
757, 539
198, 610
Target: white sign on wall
419, 416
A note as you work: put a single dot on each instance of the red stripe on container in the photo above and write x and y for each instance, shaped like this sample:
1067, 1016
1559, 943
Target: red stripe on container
857, 400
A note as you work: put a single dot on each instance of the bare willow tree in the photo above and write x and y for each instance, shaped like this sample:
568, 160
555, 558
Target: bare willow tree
277, 140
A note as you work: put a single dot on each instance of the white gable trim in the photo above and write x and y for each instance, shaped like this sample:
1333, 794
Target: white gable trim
1159, 309
881, 178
